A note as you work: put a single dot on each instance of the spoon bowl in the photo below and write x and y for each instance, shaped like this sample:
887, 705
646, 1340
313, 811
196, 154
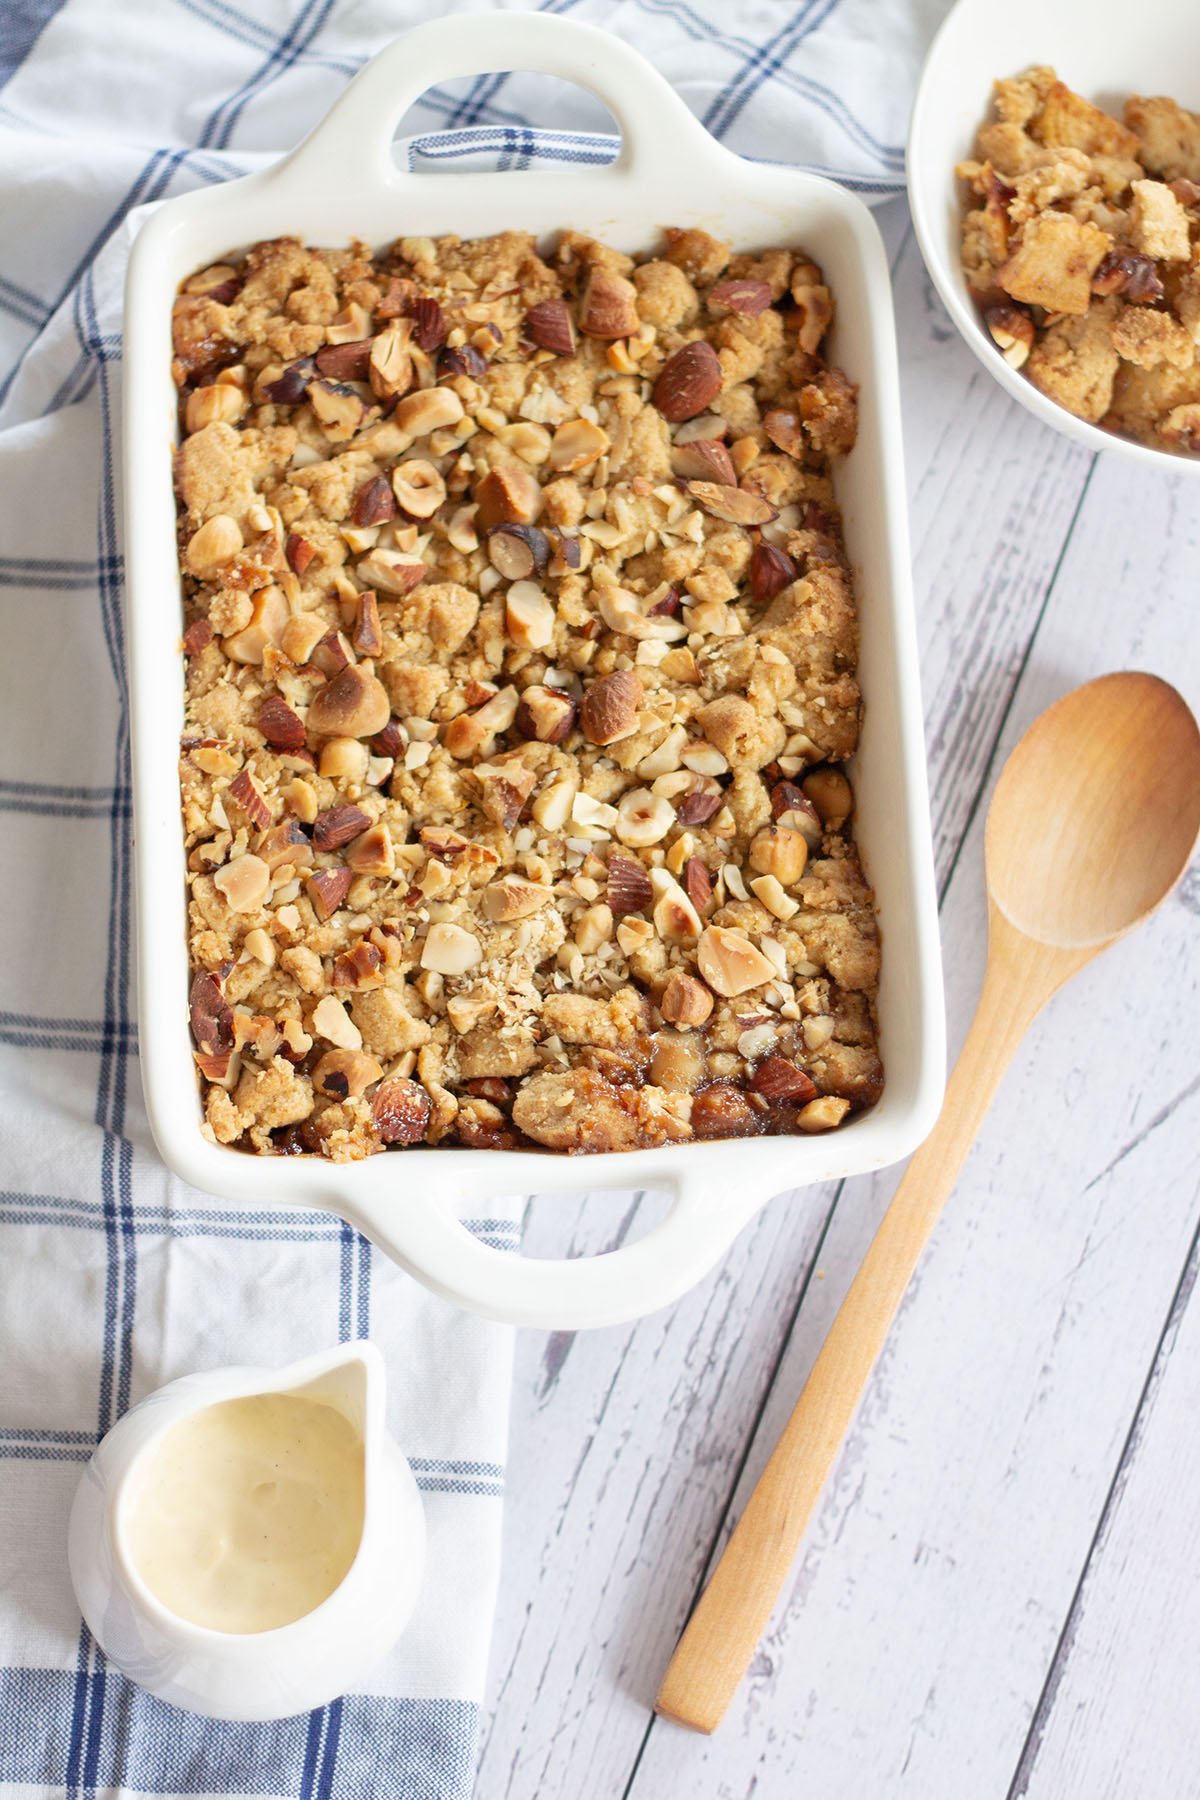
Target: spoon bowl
1096, 812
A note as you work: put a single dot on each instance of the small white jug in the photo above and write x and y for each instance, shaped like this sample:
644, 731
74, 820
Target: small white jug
265, 1674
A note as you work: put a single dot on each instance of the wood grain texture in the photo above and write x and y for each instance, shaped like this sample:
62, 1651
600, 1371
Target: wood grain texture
996, 1594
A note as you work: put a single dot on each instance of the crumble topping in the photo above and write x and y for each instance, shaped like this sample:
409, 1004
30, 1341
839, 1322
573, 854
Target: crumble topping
520, 646
1081, 245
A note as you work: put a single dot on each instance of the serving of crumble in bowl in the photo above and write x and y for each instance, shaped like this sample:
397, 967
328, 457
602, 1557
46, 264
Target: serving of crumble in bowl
1054, 177
543, 696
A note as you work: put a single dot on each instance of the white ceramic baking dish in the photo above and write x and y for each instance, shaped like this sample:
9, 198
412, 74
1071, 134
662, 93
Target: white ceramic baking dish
343, 182
1101, 51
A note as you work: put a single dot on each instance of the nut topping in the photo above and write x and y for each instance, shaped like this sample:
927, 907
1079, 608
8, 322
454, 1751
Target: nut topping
511, 494
298, 552
221, 404
736, 505
338, 408
401, 1109
429, 322
749, 298
785, 432
485, 704
418, 487
778, 1079
197, 637
292, 384
281, 728
249, 796
368, 632
643, 818
546, 715
723, 1111
337, 825
549, 326
608, 308
373, 504
771, 570
391, 571
514, 899
518, 551
472, 733
577, 445
698, 882
390, 369
830, 795
1012, 333
624, 611
823, 1114
699, 803
779, 852
210, 1013
704, 459
450, 950
610, 707
327, 889
685, 1001
345, 1074
282, 844
1121, 271
345, 362
430, 409
629, 888
268, 617
528, 616
217, 542
353, 704
688, 382
331, 1021
244, 882
373, 853
730, 963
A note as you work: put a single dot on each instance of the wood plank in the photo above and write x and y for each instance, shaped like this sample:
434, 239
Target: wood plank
626, 1444
1117, 1715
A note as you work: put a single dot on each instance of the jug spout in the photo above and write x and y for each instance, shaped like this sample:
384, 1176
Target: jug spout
350, 1378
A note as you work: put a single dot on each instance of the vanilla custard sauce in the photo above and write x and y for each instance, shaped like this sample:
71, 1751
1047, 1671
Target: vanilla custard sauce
248, 1514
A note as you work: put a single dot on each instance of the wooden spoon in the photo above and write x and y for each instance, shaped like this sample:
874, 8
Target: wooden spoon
1091, 825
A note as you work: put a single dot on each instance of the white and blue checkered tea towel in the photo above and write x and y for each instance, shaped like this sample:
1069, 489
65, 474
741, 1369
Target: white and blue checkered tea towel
113, 1276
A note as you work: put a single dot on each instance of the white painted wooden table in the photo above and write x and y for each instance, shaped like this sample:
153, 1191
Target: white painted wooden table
999, 1595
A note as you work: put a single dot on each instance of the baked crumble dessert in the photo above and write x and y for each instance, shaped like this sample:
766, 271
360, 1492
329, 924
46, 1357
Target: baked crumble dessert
520, 650
1081, 246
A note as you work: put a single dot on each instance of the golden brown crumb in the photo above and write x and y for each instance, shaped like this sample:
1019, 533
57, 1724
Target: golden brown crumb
1081, 242
503, 648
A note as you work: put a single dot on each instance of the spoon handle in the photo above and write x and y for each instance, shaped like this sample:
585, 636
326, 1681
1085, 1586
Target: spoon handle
729, 1619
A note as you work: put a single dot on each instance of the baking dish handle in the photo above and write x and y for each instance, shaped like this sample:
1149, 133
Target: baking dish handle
359, 130
424, 1234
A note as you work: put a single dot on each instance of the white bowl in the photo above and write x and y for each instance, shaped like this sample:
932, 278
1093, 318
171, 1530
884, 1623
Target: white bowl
344, 181
1098, 48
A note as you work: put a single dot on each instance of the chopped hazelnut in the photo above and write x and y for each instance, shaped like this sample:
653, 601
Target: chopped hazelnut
730, 963
450, 950
353, 704
345, 1074
217, 542
244, 882
331, 1021
684, 1000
